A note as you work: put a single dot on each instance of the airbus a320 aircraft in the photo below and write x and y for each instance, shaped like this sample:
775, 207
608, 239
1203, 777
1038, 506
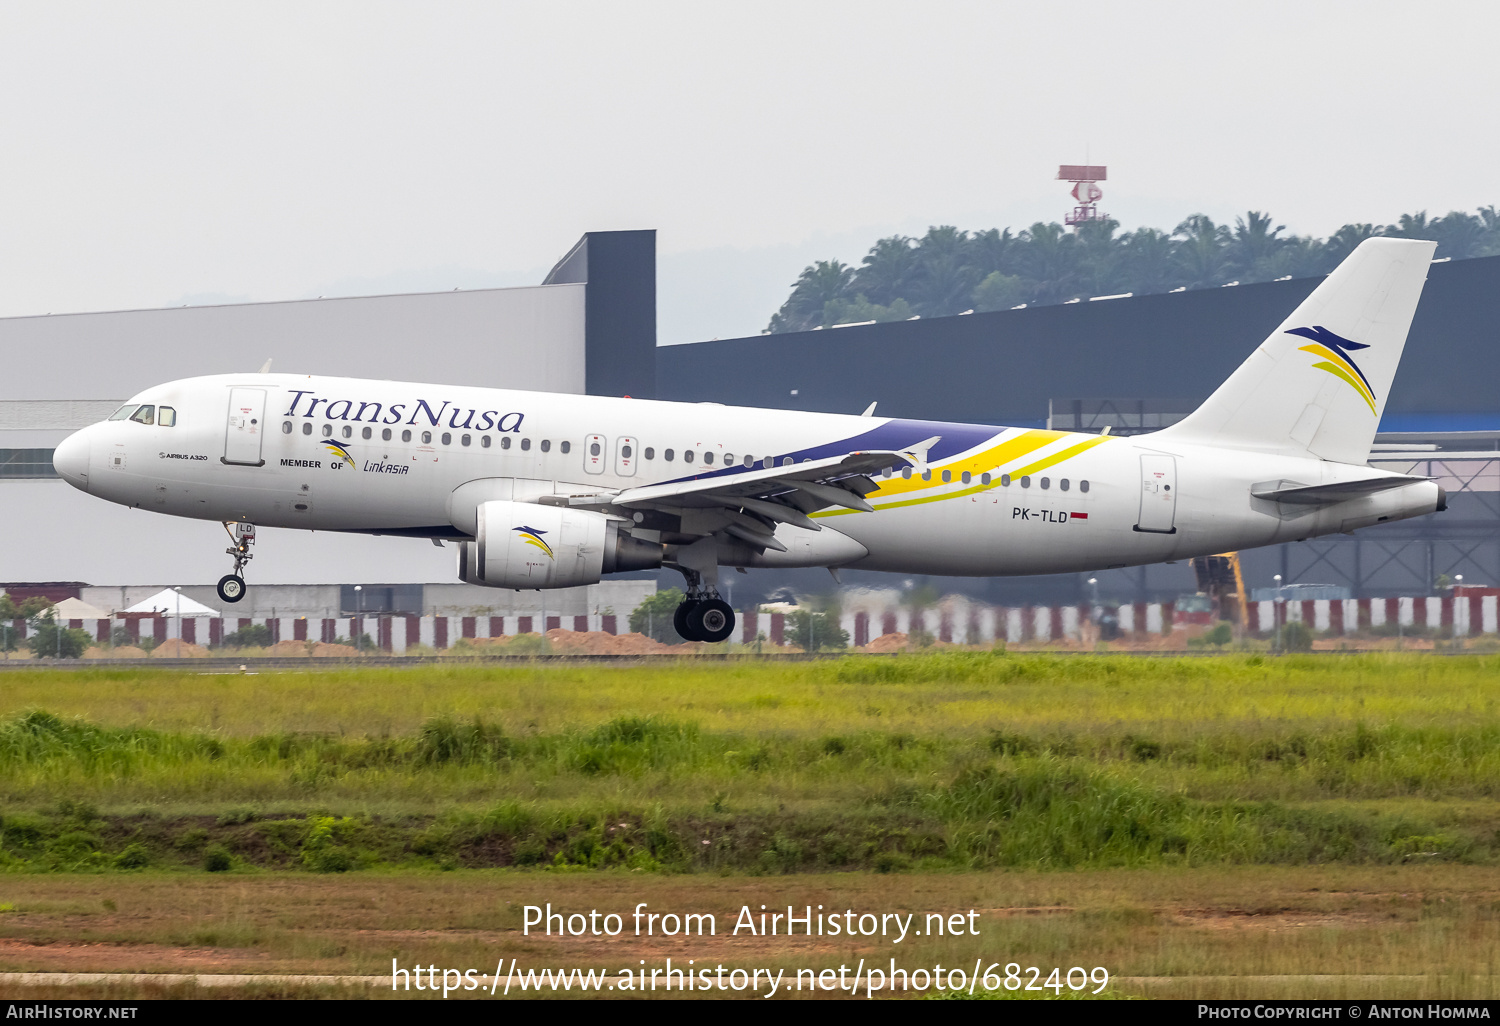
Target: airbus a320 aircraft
552, 491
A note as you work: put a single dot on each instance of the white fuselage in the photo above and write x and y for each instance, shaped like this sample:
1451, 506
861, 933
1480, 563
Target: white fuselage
385, 457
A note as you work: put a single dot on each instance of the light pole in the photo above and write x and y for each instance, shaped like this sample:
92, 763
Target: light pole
178, 595
359, 614
1279, 608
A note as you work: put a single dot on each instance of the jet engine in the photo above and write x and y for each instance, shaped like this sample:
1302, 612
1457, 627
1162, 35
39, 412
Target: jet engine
527, 545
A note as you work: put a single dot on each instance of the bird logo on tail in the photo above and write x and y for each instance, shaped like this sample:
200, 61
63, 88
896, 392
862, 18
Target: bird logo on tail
1334, 349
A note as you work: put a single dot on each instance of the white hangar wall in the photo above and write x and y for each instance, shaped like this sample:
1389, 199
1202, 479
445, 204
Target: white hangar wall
530, 338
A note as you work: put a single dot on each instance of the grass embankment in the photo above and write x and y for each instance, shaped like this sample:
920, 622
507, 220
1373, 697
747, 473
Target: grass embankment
954, 760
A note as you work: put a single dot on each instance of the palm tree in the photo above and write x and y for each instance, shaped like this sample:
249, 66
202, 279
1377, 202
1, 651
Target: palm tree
1200, 253
944, 278
992, 251
1342, 242
1458, 235
886, 270
816, 287
1148, 264
1049, 262
1101, 259
1253, 244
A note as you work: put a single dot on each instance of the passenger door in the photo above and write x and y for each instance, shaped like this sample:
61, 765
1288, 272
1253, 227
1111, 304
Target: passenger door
1158, 494
626, 456
595, 454
245, 427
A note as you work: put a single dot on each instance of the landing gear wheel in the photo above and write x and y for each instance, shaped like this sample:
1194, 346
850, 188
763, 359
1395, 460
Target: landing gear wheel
681, 624
711, 620
231, 588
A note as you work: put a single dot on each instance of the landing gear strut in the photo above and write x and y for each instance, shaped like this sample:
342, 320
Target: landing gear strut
231, 586
703, 615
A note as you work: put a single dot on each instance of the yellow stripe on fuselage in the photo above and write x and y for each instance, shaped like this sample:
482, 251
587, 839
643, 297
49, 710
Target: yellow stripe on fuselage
1010, 449
1032, 468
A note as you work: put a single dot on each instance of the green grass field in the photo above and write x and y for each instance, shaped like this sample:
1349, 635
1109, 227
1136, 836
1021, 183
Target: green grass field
905, 772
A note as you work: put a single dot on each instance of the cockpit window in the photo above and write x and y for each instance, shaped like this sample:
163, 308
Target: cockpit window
166, 417
144, 415
123, 412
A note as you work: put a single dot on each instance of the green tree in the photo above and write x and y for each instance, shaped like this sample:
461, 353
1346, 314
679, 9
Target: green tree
814, 631
814, 288
998, 292
1201, 254
11, 611
653, 617
50, 639
1253, 246
886, 272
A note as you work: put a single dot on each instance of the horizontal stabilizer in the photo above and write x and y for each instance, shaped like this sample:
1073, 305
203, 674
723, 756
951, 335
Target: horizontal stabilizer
1327, 494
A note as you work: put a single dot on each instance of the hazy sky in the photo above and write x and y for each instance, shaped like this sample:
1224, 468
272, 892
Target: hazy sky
162, 153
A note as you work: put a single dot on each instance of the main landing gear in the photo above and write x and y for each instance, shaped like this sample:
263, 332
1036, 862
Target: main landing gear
231, 586
703, 615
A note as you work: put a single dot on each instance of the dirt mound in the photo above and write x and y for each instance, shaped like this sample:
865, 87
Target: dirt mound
599, 643
173, 648
328, 650
118, 652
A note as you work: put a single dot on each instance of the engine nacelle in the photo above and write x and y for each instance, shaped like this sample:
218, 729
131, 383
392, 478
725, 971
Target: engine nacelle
527, 545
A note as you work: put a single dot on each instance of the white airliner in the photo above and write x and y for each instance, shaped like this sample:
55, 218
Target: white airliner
551, 491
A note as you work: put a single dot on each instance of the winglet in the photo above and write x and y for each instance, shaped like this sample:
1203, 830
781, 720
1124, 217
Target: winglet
265, 368
870, 410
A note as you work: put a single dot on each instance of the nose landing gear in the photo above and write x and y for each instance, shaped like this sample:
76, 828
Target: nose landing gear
231, 586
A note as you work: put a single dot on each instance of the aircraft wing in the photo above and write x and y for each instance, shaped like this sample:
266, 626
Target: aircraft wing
748, 504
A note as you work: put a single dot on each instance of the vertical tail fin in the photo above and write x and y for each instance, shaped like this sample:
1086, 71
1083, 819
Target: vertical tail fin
1317, 386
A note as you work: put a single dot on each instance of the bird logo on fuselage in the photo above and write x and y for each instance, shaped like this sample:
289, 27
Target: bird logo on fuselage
1336, 359
533, 537
339, 451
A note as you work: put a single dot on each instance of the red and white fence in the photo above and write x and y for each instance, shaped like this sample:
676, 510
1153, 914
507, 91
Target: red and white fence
959, 623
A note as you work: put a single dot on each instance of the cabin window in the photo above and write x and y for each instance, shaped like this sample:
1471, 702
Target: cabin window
385, 434
650, 453
1063, 484
123, 413
984, 479
926, 475
144, 415
965, 478
426, 437
729, 459
307, 427
708, 457
1026, 481
348, 431
447, 438
565, 447
1046, 483
749, 461
625, 452
666, 454
327, 430
594, 449
947, 476
406, 436
886, 472
464, 439
546, 445
484, 441
365, 433
906, 473
1083, 486
525, 445
166, 417
687, 455
786, 461
286, 427
505, 441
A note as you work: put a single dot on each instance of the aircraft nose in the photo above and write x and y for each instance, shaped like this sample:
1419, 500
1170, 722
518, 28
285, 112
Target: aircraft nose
71, 459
